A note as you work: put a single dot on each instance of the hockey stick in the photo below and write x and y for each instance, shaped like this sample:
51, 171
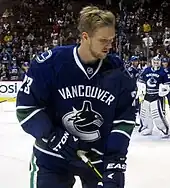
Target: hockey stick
6, 100
83, 157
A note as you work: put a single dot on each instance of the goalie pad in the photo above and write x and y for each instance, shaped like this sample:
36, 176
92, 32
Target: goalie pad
145, 118
158, 117
151, 114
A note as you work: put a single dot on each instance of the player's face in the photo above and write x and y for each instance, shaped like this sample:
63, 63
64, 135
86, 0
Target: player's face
101, 41
156, 64
135, 63
165, 64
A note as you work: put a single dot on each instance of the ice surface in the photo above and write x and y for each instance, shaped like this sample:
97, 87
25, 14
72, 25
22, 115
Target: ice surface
148, 158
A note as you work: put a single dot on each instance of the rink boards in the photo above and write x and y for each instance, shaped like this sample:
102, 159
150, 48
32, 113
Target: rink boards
9, 90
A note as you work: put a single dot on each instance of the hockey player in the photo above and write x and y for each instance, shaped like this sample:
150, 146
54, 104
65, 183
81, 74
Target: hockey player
165, 63
133, 69
154, 84
76, 100
134, 73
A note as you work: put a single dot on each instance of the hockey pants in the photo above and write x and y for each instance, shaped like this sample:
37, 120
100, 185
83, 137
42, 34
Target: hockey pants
48, 171
151, 114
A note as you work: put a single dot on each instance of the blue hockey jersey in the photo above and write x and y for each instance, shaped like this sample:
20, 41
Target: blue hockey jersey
152, 79
90, 101
134, 72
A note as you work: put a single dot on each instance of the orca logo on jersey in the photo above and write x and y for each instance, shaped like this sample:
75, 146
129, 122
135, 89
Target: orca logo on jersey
151, 82
84, 123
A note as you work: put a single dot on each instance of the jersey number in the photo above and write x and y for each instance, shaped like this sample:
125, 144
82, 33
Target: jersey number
26, 84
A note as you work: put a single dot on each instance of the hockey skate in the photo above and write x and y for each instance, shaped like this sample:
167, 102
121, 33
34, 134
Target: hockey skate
146, 132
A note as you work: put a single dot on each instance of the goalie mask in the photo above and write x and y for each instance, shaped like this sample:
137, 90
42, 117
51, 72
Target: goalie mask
156, 63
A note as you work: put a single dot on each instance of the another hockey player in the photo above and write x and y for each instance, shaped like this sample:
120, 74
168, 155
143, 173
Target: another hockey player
165, 63
134, 69
76, 99
154, 84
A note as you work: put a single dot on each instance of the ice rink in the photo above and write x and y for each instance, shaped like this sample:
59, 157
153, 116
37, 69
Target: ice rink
148, 158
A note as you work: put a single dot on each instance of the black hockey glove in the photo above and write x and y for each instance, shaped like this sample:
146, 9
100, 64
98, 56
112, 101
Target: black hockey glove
113, 176
64, 144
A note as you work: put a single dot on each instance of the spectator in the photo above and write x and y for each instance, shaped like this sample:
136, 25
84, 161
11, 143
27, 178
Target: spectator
166, 33
30, 37
54, 33
3, 72
28, 29
146, 27
147, 44
166, 42
6, 14
55, 41
14, 71
8, 37
70, 39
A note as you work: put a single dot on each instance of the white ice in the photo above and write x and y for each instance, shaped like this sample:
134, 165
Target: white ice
148, 158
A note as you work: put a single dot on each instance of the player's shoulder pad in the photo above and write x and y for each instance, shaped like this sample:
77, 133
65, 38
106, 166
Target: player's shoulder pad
163, 71
116, 78
166, 70
54, 57
115, 60
112, 61
127, 82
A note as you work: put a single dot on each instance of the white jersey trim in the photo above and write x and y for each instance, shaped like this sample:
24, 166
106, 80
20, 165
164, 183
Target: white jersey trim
30, 116
121, 132
96, 162
25, 107
48, 152
81, 66
98, 152
124, 121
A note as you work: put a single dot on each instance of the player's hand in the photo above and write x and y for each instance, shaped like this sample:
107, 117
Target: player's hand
113, 176
64, 144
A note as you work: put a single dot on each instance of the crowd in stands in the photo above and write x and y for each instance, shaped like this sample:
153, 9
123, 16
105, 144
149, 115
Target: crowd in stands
34, 26
146, 29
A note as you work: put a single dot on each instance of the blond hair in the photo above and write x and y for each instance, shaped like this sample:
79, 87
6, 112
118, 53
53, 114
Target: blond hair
92, 18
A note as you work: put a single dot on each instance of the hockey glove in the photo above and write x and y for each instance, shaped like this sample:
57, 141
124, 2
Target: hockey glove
113, 176
64, 144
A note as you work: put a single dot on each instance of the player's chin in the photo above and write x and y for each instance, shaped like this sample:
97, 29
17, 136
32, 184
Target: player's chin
103, 54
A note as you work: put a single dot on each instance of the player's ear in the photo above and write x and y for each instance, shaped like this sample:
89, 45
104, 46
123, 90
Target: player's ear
84, 35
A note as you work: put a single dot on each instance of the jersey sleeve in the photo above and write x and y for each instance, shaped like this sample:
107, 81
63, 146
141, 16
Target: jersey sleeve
33, 98
166, 78
125, 102
124, 120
